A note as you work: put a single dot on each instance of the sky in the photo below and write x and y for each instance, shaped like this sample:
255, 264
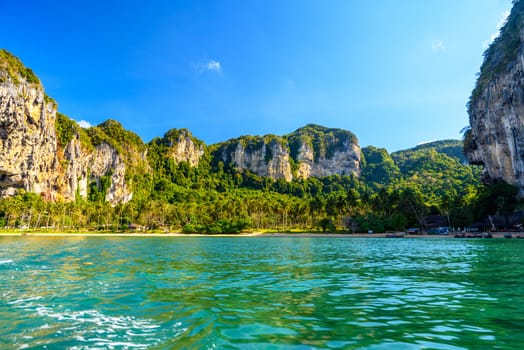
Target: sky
396, 73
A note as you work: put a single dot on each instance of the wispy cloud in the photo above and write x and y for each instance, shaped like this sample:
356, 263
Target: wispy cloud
438, 46
425, 142
208, 66
214, 65
500, 23
84, 124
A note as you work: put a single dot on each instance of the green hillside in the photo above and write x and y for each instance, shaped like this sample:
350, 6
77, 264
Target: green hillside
206, 192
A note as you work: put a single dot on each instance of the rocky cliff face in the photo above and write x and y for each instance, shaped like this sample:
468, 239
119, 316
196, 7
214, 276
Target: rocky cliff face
88, 167
27, 135
31, 157
183, 147
496, 107
342, 161
102, 161
264, 156
320, 151
44, 152
311, 151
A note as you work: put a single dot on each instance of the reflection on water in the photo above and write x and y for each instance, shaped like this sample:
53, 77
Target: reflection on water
252, 293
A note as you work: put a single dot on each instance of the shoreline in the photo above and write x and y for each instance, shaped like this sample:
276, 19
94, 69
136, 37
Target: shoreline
496, 235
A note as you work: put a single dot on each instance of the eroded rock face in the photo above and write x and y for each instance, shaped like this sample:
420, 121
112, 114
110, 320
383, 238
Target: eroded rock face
342, 162
497, 121
62, 163
85, 167
265, 159
496, 110
30, 156
185, 149
27, 139
318, 151
279, 166
306, 161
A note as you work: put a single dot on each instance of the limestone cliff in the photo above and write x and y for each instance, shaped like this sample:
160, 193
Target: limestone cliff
311, 151
496, 107
27, 134
321, 151
44, 152
264, 156
182, 146
105, 160
86, 168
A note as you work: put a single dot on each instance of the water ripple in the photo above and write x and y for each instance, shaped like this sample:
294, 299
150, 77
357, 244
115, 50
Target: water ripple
205, 293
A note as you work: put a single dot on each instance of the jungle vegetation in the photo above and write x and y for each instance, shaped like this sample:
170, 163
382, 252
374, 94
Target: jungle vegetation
394, 192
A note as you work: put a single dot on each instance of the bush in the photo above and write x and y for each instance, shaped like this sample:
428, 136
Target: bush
370, 222
219, 226
16, 69
326, 225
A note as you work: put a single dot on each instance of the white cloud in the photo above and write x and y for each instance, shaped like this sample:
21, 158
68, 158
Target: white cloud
500, 23
214, 66
84, 124
438, 46
207, 66
425, 142
503, 19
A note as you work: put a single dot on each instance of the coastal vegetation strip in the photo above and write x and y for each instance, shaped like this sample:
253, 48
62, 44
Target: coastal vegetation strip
202, 190
207, 199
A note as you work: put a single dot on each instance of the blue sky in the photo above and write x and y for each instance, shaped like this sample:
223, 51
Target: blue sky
394, 72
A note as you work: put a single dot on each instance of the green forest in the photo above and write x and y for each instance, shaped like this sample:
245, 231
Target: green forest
426, 186
393, 192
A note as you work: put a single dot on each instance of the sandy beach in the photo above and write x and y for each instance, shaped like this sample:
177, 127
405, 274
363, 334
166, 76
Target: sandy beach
247, 234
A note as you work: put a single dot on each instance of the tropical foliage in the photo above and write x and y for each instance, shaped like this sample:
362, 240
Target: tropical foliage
394, 192
15, 69
502, 51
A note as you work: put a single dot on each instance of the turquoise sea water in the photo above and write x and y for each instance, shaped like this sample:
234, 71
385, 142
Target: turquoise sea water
260, 293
